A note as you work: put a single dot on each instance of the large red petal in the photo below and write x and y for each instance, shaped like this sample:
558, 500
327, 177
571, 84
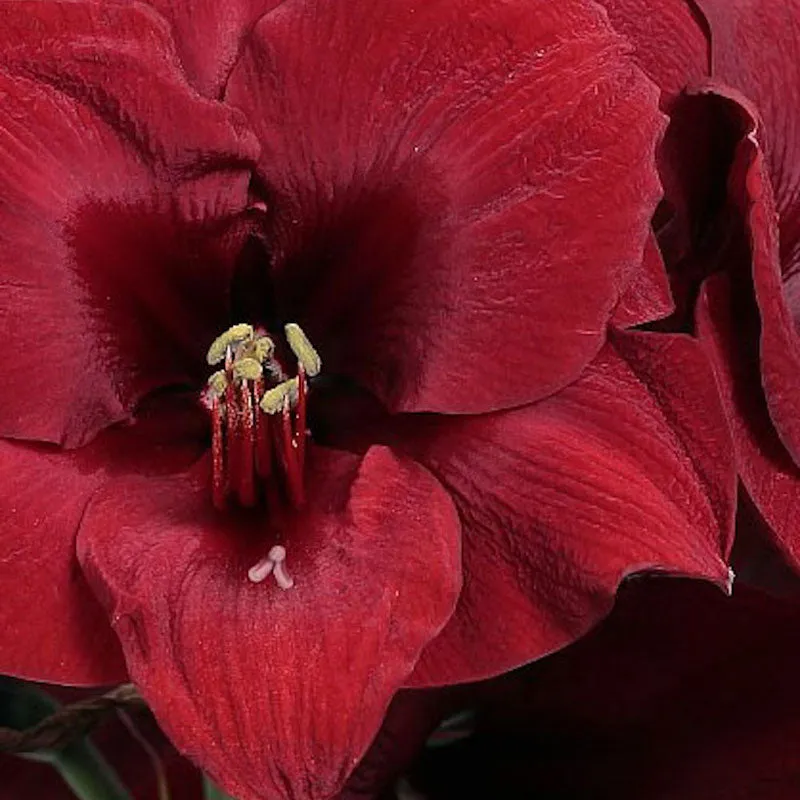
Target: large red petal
51, 626
276, 693
670, 38
724, 320
779, 340
461, 189
757, 357
672, 42
671, 45
118, 183
628, 469
209, 36
755, 48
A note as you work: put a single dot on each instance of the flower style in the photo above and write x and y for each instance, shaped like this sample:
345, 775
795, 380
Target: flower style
451, 202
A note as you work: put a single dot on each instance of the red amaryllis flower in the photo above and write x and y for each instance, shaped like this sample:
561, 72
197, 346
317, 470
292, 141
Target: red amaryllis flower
452, 200
681, 694
730, 162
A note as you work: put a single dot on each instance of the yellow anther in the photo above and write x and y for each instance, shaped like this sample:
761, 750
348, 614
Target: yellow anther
261, 348
232, 336
303, 349
247, 369
273, 400
218, 382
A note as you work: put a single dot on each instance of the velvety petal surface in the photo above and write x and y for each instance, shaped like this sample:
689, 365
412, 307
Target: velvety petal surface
277, 693
629, 469
671, 41
648, 297
745, 323
51, 626
755, 49
119, 186
209, 36
460, 191
772, 478
748, 56
779, 341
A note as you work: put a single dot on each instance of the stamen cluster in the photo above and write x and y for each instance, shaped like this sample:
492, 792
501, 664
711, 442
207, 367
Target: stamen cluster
258, 417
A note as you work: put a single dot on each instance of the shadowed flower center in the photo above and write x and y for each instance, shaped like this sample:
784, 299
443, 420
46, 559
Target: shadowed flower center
258, 423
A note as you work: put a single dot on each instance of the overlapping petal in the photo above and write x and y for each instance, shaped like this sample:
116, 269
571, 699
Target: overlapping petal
648, 297
671, 41
629, 469
779, 340
766, 181
209, 36
671, 44
695, 159
755, 49
724, 320
276, 693
745, 323
118, 184
460, 191
53, 627
754, 345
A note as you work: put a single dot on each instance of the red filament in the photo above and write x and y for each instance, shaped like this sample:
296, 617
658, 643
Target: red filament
256, 456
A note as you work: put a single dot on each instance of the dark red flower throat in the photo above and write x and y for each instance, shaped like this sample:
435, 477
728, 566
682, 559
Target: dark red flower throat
258, 423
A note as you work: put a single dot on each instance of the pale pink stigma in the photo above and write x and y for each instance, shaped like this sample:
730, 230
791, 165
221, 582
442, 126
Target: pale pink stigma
272, 564
278, 555
261, 570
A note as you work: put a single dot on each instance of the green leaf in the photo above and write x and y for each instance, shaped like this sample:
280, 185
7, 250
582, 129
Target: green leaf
80, 764
212, 792
88, 774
